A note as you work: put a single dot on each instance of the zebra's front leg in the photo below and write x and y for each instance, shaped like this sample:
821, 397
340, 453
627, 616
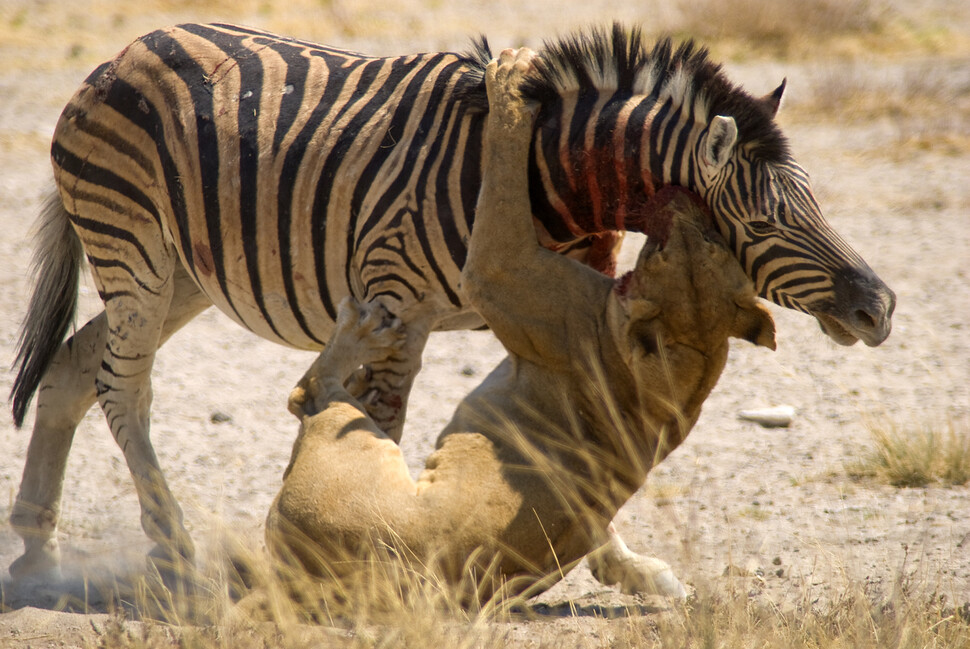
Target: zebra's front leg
382, 387
363, 332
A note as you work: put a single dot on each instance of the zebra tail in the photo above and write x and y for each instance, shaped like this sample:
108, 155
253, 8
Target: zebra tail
56, 268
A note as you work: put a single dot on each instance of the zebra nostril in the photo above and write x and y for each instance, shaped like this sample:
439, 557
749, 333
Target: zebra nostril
864, 320
864, 304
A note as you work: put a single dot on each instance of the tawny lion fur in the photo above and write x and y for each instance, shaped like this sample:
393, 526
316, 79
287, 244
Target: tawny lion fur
603, 378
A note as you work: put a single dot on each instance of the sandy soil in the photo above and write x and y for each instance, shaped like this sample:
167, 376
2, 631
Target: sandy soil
776, 504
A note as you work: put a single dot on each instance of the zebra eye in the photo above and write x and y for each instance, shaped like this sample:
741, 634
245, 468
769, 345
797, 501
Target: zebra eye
761, 227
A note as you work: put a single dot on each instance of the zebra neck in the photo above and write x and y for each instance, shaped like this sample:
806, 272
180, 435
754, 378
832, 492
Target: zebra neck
602, 176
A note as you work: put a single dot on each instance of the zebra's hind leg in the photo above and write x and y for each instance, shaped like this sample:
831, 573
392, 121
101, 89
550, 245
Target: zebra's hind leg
65, 395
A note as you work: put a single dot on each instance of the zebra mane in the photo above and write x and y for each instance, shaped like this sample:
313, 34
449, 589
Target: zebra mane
472, 91
618, 60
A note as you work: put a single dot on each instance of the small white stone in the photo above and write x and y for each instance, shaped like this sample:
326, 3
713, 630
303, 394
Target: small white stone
773, 417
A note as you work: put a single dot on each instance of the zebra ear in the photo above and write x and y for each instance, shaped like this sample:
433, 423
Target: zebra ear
772, 100
719, 141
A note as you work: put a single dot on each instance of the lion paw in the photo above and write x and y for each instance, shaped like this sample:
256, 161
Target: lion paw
366, 333
503, 81
616, 564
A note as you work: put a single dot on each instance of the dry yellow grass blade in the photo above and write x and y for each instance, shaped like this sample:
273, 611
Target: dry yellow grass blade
293, 612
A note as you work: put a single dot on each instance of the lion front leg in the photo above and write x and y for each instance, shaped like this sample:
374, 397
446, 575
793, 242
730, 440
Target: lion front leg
343, 470
365, 333
523, 292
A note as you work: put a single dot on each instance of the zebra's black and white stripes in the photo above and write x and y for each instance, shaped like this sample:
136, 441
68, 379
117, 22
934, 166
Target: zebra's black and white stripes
213, 164
273, 162
619, 119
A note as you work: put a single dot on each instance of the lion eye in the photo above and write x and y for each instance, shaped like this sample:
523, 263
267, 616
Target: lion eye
649, 343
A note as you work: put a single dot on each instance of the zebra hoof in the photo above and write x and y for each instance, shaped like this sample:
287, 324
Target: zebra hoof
176, 573
41, 564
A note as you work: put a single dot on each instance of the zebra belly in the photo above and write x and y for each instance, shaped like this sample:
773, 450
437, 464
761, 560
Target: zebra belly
431, 312
271, 316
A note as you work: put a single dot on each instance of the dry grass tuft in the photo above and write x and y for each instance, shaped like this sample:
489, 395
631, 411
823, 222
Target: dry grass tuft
242, 599
916, 457
857, 619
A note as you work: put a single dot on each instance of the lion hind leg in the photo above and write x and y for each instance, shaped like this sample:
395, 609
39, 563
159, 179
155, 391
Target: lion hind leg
615, 564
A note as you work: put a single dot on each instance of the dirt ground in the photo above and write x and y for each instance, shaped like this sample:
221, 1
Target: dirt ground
885, 140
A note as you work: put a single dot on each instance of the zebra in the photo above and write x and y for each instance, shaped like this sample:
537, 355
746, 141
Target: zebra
272, 177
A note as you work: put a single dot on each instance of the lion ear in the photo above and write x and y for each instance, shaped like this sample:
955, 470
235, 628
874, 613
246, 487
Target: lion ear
641, 334
754, 323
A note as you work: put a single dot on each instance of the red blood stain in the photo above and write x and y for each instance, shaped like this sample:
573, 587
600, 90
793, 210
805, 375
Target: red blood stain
608, 192
622, 285
602, 253
653, 220
393, 400
202, 257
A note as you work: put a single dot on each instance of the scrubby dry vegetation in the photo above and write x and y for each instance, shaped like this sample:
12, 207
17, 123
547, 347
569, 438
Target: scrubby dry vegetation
791, 539
917, 455
291, 612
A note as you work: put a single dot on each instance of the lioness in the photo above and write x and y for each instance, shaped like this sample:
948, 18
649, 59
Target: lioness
603, 378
